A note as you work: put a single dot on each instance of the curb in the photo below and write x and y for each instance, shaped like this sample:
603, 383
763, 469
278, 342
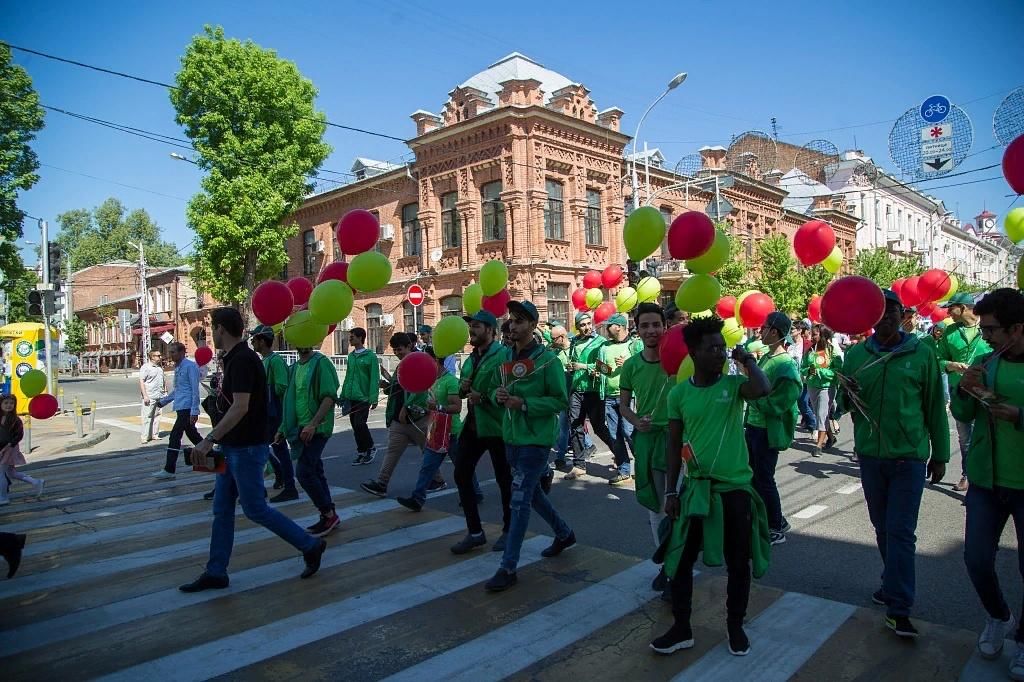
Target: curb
81, 444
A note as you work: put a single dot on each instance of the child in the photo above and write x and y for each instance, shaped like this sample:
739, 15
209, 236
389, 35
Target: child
11, 433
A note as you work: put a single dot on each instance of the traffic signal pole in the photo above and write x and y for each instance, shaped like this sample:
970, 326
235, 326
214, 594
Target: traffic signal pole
47, 342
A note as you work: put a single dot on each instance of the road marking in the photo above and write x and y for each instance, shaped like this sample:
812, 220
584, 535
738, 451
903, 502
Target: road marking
784, 636
116, 407
808, 512
849, 489
148, 605
979, 669
128, 426
541, 633
228, 654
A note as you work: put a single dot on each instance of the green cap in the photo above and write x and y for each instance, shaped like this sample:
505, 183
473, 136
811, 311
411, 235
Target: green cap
617, 318
484, 316
959, 299
264, 330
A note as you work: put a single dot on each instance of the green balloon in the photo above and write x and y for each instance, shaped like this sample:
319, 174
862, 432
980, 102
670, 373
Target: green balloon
369, 271
625, 299
450, 336
643, 232
301, 331
594, 298
493, 277
713, 259
472, 299
700, 292
33, 382
1013, 223
331, 302
647, 290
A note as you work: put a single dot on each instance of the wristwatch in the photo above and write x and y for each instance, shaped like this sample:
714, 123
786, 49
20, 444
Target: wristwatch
213, 440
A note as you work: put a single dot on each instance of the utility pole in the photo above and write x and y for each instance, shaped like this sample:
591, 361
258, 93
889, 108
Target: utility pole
143, 298
47, 341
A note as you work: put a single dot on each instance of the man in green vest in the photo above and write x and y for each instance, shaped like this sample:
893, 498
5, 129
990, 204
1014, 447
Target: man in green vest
585, 396
262, 338
611, 357
360, 392
961, 344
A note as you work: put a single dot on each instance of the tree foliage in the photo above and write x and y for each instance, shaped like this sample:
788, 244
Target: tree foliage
250, 116
777, 275
103, 234
734, 275
884, 268
21, 118
74, 336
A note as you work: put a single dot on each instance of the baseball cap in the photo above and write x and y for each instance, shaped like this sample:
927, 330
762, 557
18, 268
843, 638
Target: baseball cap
524, 307
962, 298
264, 330
582, 316
482, 316
425, 329
617, 318
780, 322
891, 297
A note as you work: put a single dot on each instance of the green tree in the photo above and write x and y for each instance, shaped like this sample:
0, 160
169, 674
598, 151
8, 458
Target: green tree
17, 288
21, 118
814, 280
104, 234
251, 118
74, 336
777, 275
735, 274
884, 268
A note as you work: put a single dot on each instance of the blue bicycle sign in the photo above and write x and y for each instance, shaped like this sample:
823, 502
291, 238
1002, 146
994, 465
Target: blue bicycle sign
935, 109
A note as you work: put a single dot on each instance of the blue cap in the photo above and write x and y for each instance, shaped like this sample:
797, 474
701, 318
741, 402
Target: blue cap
891, 296
482, 316
425, 329
524, 307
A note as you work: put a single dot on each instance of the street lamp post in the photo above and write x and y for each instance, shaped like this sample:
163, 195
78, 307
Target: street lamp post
672, 85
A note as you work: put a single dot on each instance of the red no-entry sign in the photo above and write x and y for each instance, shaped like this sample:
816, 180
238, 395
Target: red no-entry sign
415, 295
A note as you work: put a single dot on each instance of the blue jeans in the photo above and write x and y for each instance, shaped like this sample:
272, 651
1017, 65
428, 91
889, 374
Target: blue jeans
528, 464
892, 490
431, 463
562, 445
804, 403
763, 462
622, 435
310, 472
988, 510
243, 481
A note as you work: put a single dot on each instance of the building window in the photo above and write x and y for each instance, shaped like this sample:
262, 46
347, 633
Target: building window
494, 211
411, 230
558, 303
666, 213
284, 271
308, 252
554, 212
451, 306
450, 221
408, 317
592, 222
340, 342
374, 341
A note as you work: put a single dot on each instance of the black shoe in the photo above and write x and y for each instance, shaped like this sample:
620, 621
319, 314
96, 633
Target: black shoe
312, 559
409, 503
278, 484
469, 543
501, 581
206, 582
620, 479
902, 626
12, 555
286, 495
546, 480
785, 526
879, 598
678, 637
374, 488
209, 496
436, 486
499, 544
776, 537
830, 442
559, 546
560, 464
739, 645
660, 582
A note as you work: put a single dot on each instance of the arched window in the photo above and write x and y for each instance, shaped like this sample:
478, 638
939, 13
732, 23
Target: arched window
373, 336
450, 306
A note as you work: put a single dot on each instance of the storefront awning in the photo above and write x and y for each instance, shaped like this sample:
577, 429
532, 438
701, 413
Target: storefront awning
155, 329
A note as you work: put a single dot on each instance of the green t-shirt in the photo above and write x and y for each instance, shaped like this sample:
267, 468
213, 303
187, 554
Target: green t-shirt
650, 386
712, 419
607, 355
304, 410
960, 344
775, 367
445, 386
1009, 456
277, 374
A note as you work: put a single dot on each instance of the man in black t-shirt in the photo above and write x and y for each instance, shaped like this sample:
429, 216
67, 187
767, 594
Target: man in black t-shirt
244, 444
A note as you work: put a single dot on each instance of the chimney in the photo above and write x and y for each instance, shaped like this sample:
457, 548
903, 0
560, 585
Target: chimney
425, 122
712, 158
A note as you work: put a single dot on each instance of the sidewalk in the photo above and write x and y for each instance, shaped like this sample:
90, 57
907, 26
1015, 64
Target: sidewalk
55, 436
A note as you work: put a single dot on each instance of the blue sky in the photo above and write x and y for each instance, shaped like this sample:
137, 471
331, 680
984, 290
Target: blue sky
822, 69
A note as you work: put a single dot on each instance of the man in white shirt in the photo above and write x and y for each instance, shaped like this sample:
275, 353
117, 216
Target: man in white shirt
152, 388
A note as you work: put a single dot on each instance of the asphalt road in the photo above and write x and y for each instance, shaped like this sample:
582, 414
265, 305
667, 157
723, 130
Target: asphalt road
830, 551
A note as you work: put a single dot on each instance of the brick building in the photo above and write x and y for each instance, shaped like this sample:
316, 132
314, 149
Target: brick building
522, 166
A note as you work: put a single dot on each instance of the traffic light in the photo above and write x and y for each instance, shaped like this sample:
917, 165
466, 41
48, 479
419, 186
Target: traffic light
632, 272
35, 304
53, 254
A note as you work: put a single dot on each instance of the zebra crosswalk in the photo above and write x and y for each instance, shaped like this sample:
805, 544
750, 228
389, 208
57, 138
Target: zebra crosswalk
96, 598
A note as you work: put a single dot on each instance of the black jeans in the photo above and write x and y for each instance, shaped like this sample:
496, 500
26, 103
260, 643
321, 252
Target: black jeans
468, 452
182, 425
763, 461
281, 459
738, 521
583, 406
357, 416
988, 510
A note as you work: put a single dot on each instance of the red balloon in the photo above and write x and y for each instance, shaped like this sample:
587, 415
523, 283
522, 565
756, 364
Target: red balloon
579, 300
690, 235
592, 280
926, 309
933, 285
813, 242
897, 286
497, 305
1013, 165
755, 309
330, 330
604, 311
301, 288
939, 314
909, 293
203, 355
42, 406
358, 231
338, 271
814, 309
673, 350
417, 372
272, 302
852, 304
612, 276
726, 307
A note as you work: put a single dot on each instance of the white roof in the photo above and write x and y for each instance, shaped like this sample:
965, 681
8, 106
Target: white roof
654, 154
516, 66
802, 189
383, 166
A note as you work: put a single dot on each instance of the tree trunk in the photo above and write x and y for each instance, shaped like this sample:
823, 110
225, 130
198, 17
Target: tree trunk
249, 283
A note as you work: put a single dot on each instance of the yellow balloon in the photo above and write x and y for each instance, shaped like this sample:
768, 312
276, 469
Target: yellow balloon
625, 299
732, 332
954, 284
594, 298
686, 369
739, 301
714, 258
833, 261
647, 290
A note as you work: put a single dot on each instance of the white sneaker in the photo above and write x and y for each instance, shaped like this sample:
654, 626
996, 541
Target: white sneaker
990, 642
1017, 664
164, 475
39, 487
